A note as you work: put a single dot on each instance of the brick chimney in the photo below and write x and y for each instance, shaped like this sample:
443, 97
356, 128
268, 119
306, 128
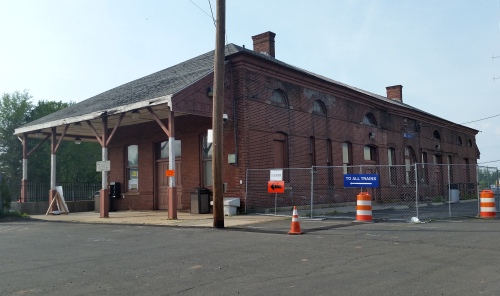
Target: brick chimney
395, 92
264, 43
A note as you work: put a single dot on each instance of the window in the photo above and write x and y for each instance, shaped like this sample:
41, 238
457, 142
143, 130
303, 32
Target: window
346, 157
424, 175
470, 143
329, 152
132, 167
370, 153
280, 151
163, 150
459, 140
467, 169
329, 162
312, 151
206, 161
436, 135
450, 167
279, 98
370, 119
409, 165
319, 107
391, 161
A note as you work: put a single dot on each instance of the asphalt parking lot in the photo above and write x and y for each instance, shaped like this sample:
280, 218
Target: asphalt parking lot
443, 257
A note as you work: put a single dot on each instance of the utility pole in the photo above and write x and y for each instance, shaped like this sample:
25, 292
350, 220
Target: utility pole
217, 115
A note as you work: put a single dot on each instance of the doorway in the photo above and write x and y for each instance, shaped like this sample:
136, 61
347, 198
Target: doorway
162, 181
163, 185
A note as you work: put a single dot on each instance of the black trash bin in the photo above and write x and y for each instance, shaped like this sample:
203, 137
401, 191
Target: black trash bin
200, 201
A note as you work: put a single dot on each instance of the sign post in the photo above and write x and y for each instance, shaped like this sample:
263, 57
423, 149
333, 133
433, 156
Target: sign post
276, 187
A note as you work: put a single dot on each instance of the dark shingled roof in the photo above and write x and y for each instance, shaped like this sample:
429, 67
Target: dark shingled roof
172, 80
162, 83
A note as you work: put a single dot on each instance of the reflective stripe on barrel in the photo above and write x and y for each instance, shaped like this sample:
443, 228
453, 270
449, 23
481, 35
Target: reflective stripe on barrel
364, 207
487, 204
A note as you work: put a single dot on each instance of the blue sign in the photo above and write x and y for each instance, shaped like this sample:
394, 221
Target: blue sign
361, 181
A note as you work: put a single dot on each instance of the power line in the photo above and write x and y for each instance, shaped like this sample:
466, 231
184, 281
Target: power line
481, 119
210, 4
210, 16
489, 161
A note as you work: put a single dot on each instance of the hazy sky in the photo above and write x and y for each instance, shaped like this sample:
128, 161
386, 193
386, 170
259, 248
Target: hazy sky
440, 51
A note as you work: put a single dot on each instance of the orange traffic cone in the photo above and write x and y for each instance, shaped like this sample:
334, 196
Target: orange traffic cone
295, 228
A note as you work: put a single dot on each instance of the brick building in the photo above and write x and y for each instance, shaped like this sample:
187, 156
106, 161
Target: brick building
279, 116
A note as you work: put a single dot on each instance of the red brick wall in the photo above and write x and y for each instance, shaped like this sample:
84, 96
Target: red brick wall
249, 132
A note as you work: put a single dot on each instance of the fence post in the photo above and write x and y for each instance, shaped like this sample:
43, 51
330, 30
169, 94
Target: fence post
312, 190
449, 191
246, 190
416, 188
477, 188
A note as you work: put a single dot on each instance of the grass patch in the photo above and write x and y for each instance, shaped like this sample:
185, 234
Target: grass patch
12, 215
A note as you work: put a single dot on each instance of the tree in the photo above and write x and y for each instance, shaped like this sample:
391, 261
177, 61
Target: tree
74, 163
13, 110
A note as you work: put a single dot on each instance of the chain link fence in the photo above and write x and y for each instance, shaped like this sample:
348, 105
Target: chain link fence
425, 191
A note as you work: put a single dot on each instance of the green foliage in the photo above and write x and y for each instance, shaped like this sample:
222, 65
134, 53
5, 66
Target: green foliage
487, 176
13, 113
5, 196
12, 215
74, 163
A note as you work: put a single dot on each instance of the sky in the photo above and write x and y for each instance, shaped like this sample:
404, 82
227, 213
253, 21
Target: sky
445, 53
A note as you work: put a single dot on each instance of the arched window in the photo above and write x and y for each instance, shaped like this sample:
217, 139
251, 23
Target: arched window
132, 167
279, 98
319, 107
410, 160
459, 140
369, 119
470, 143
436, 135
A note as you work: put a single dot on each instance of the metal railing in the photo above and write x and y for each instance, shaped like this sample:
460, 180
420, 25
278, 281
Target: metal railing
39, 191
425, 191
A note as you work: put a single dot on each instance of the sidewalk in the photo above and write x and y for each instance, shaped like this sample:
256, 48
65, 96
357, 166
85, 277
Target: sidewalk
158, 218
249, 223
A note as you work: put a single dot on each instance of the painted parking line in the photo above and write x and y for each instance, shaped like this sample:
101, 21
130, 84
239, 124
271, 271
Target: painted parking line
5, 229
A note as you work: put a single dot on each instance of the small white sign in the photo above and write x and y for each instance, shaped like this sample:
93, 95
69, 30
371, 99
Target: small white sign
210, 136
276, 175
102, 166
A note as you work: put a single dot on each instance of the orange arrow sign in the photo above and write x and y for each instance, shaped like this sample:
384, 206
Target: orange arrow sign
276, 186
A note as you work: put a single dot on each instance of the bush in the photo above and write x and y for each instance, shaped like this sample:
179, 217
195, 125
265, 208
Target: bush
5, 197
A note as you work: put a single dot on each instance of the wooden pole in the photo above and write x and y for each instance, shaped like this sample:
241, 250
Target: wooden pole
217, 116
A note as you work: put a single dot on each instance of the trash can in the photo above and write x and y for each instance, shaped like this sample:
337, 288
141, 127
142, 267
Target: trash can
200, 201
454, 195
97, 201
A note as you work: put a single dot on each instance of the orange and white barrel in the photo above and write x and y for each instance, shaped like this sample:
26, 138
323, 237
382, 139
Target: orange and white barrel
364, 207
487, 204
